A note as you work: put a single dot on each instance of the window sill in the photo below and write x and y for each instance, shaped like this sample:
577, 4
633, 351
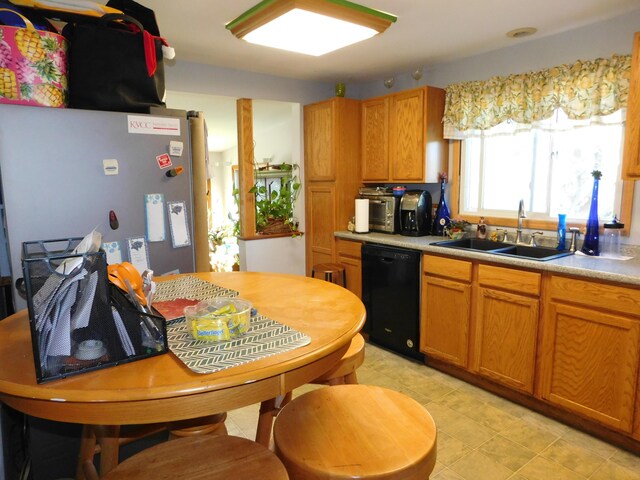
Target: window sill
271, 235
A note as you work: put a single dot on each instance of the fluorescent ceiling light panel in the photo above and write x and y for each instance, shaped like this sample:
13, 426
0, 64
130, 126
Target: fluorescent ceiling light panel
312, 27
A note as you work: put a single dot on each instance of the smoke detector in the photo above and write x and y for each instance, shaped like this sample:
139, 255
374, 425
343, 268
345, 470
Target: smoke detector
522, 32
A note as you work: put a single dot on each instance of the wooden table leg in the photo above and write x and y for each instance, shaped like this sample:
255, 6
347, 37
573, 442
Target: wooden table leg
107, 437
87, 450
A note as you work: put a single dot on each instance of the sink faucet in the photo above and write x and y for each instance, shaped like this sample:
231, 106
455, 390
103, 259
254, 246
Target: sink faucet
521, 215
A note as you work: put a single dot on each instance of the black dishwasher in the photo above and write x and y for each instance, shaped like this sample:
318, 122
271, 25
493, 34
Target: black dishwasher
391, 295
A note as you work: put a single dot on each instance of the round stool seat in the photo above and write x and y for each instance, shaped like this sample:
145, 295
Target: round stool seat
355, 431
348, 364
331, 272
202, 457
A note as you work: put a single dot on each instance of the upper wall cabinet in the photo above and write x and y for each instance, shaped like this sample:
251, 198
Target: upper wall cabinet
320, 143
631, 158
402, 137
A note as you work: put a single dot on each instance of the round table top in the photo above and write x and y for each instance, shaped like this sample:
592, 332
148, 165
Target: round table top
162, 388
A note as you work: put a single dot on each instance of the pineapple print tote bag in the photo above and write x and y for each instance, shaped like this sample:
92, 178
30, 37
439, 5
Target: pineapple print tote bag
33, 66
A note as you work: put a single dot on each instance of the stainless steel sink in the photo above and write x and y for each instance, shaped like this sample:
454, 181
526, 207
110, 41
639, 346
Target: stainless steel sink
472, 244
532, 253
506, 249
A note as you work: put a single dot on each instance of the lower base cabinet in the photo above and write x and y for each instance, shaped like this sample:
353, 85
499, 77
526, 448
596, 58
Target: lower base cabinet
566, 343
446, 309
590, 356
505, 338
348, 254
506, 326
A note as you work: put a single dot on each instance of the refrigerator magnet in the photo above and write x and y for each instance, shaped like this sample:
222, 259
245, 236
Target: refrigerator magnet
113, 251
179, 224
154, 214
138, 253
164, 161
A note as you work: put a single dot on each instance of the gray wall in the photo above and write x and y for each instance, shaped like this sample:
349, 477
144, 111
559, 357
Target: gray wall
212, 80
602, 39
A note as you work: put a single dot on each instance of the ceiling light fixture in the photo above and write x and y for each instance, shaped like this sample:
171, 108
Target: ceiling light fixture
312, 27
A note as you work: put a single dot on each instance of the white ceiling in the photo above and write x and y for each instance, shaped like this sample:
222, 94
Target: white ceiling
427, 32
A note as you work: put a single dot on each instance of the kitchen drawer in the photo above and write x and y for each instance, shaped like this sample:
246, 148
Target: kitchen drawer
517, 281
348, 248
592, 294
447, 267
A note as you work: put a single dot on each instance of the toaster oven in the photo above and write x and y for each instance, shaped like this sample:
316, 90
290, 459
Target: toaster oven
383, 210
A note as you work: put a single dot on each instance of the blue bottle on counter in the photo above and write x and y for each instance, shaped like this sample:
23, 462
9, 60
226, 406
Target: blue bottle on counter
562, 231
441, 219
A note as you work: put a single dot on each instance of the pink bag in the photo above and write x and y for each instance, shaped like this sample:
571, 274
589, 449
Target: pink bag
33, 66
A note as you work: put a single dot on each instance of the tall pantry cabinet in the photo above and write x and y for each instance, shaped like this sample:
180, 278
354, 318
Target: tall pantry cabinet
332, 174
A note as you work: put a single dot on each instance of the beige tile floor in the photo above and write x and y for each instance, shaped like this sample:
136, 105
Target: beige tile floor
482, 436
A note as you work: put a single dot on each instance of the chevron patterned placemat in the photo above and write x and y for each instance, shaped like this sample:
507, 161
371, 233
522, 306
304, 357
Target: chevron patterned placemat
190, 287
264, 338
173, 296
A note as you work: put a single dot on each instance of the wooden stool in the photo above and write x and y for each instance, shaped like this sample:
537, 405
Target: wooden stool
331, 272
355, 431
199, 458
211, 425
99, 439
344, 372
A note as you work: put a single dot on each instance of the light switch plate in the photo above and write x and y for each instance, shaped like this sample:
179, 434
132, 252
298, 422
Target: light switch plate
110, 166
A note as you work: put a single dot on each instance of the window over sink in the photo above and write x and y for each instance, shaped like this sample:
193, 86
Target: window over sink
548, 165
537, 136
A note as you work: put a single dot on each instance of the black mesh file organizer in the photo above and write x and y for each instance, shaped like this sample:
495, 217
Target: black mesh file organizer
78, 321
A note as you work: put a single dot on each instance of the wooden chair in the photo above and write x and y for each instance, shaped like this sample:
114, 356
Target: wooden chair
198, 458
331, 272
355, 431
344, 372
94, 437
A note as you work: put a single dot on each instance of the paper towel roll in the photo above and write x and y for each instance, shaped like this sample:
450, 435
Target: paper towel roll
362, 215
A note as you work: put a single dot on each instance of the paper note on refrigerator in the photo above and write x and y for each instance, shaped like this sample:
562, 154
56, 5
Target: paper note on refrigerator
113, 251
154, 208
179, 224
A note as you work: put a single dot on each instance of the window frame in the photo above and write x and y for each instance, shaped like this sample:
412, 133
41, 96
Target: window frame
626, 203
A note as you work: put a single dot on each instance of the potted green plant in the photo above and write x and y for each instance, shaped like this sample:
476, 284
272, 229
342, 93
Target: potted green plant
274, 206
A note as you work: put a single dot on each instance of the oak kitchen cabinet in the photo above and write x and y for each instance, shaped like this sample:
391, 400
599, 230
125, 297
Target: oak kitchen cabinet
631, 156
350, 256
445, 309
332, 173
576, 346
590, 350
402, 137
506, 326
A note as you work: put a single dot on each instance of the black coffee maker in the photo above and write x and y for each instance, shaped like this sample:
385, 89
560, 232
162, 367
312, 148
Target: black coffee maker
415, 213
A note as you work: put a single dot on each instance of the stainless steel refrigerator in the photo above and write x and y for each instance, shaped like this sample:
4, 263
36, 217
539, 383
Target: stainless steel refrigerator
58, 178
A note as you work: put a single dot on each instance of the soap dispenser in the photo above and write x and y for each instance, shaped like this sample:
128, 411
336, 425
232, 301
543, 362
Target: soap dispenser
562, 231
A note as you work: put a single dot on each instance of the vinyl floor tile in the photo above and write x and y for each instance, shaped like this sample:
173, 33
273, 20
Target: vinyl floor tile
542, 469
573, 457
506, 452
612, 471
478, 466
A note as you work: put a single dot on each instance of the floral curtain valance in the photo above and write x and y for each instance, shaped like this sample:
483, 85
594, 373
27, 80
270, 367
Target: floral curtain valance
583, 90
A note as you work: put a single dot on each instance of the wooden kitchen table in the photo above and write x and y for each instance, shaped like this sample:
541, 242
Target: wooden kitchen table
162, 388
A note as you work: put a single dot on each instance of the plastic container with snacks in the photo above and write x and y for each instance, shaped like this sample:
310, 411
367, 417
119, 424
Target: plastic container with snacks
218, 319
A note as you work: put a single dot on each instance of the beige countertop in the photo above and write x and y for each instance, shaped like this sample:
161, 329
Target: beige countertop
599, 268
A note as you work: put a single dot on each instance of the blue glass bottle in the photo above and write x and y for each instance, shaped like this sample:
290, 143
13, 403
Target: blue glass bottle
442, 217
562, 231
591, 246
